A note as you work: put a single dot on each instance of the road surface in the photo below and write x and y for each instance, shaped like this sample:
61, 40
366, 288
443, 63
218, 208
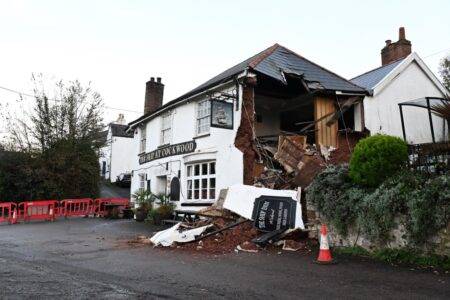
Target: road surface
89, 258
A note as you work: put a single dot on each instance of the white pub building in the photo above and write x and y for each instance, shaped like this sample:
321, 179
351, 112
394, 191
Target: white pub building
204, 141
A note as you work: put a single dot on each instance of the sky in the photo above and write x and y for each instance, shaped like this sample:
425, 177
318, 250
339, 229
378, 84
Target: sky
119, 45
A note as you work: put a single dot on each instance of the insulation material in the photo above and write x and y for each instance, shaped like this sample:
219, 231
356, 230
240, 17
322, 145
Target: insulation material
325, 135
240, 200
167, 237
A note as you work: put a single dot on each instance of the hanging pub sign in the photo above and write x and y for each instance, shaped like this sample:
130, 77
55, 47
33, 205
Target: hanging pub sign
166, 151
221, 114
272, 213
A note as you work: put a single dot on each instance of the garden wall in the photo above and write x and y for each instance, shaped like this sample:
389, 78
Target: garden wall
438, 244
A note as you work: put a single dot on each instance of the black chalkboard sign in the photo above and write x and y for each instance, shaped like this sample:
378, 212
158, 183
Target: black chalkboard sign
175, 189
274, 213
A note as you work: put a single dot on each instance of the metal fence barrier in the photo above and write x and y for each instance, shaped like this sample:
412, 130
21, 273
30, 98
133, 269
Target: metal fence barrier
49, 210
76, 207
8, 212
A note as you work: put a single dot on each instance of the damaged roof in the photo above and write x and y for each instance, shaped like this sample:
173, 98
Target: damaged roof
120, 130
275, 62
371, 78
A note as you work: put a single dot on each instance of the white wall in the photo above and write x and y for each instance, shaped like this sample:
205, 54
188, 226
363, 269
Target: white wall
382, 114
105, 156
121, 160
218, 146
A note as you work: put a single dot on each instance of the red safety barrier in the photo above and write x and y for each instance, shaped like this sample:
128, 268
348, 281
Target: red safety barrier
100, 204
76, 207
38, 210
8, 212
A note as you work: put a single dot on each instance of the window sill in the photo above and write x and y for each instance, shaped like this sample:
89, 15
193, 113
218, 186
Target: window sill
201, 136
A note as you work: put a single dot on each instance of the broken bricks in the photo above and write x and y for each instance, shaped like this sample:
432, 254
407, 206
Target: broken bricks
215, 233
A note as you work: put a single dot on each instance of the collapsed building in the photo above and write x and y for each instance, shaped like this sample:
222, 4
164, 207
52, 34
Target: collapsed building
264, 121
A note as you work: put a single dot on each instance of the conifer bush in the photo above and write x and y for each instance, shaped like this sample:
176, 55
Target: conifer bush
377, 157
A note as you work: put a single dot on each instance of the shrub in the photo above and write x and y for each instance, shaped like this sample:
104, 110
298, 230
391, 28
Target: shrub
428, 209
334, 196
377, 157
422, 202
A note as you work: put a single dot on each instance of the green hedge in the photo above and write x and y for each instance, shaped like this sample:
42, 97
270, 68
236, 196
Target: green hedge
377, 157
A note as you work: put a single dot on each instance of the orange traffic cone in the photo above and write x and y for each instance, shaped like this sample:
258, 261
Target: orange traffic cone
324, 252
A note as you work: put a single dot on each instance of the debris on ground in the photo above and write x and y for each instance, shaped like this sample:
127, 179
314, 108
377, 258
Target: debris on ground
291, 245
173, 235
247, 247
140, 239
242, 221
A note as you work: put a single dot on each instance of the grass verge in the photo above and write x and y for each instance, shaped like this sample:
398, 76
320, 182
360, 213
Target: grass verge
400, 257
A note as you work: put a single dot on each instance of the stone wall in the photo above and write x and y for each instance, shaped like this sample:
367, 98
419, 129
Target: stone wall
439, 243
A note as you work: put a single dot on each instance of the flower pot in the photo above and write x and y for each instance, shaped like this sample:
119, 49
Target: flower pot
141, 214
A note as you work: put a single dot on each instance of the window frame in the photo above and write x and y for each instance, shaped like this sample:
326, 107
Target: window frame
196, 181
166, 119
142, 182
143, 140
206, 117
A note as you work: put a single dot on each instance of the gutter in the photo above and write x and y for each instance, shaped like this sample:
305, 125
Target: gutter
169, 106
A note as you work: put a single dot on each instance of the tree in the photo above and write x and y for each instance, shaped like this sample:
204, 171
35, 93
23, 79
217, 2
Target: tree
443, 109
444, 70
56, 145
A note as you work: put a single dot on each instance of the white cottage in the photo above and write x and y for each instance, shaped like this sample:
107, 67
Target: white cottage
206, 140
114, 156
402, 77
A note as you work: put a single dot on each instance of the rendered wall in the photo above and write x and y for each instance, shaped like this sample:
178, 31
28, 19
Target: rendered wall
218, 145
382, 113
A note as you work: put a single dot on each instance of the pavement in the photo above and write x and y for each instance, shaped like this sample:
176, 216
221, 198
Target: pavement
83, 258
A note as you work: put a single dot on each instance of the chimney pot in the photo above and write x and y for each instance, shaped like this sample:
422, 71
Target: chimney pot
395, 51
154, 91
401, 33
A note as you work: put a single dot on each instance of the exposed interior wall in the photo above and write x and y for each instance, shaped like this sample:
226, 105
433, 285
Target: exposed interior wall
325, 135
267, 121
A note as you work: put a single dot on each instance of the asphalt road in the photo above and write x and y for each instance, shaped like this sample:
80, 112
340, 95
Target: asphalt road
89, 258
108, 190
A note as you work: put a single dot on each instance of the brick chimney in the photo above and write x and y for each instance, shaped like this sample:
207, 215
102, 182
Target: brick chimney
393, 51
154, 91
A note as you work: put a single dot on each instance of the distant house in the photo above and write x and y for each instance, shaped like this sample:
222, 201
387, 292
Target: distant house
114, 156
206, 140
402, 77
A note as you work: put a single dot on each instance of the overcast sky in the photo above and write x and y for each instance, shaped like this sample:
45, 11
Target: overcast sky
119, 45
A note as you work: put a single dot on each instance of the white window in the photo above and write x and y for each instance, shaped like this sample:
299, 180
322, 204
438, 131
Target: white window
141, 182
201, 181
166, 129
203, 117
143, 139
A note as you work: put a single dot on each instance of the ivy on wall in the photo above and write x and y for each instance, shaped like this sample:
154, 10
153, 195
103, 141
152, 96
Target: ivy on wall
422, 202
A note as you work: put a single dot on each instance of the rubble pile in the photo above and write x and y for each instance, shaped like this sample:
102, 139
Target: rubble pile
291, 162
245, 218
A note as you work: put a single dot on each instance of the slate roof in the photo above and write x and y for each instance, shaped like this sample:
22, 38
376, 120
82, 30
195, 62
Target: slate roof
371, 78
120, 130
274, 62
